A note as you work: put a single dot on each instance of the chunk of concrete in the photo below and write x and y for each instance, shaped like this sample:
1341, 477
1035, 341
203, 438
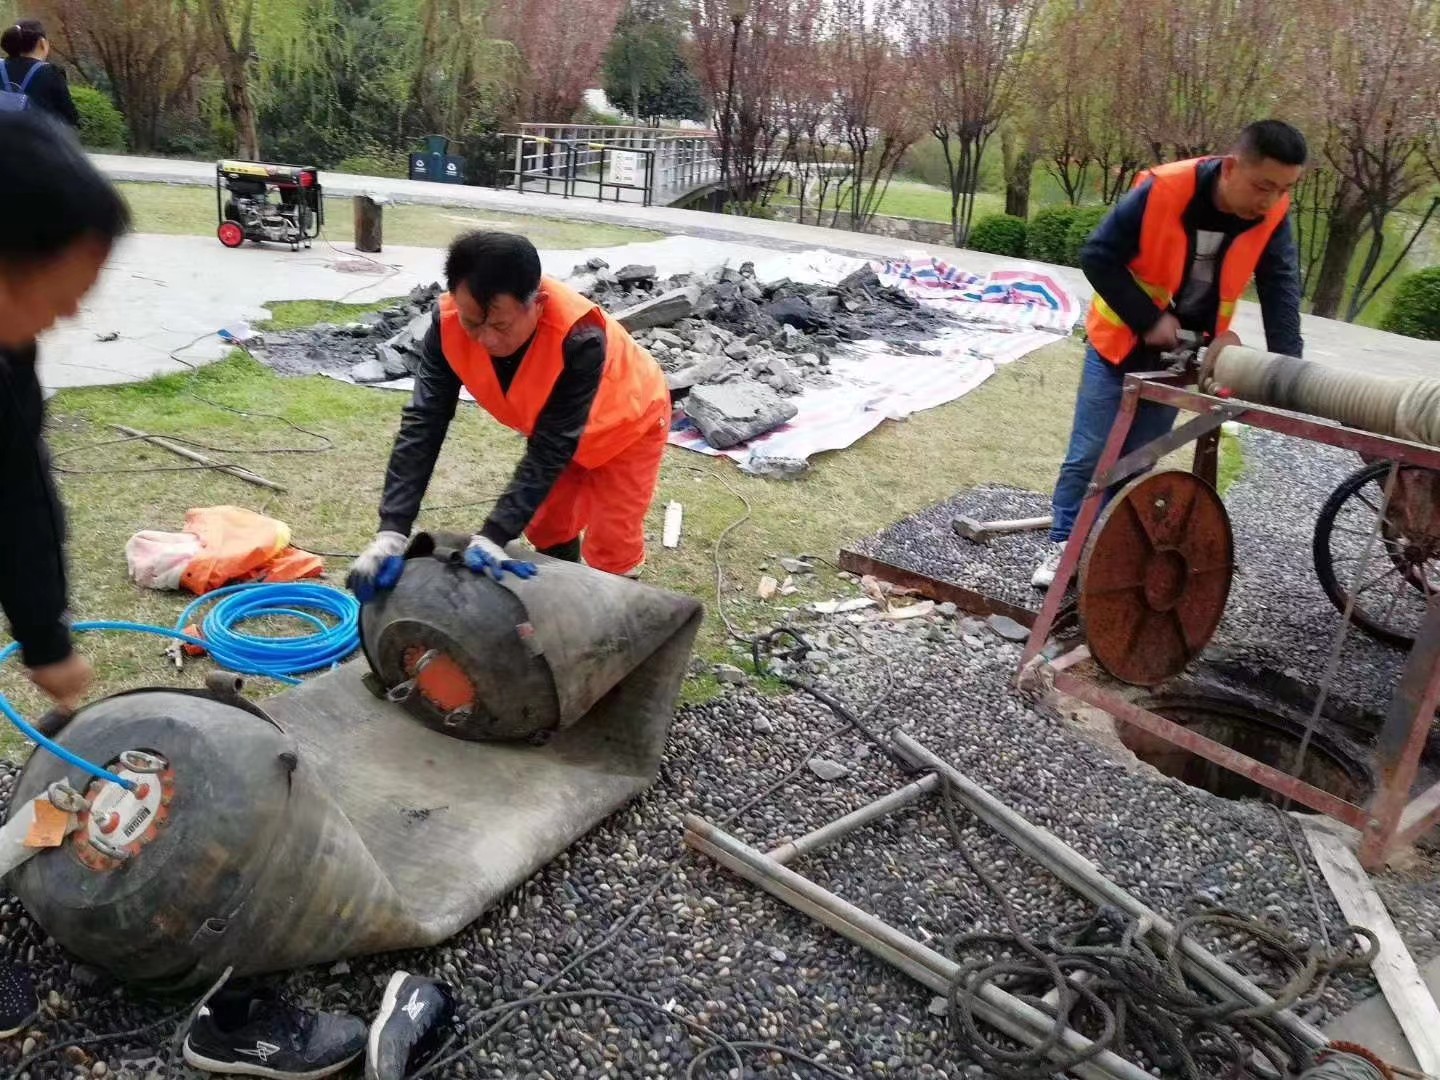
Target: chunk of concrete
393, 361
695, 374
732, 413
635, 274
664, 310
370, 371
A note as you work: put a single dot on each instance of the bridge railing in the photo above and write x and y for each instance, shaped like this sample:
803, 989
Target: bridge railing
626, 164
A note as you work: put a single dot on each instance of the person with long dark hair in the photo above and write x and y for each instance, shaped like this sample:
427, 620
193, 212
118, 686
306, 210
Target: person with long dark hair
64, 218
28, 80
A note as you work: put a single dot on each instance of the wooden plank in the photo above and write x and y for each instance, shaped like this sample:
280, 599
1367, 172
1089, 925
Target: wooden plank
190, 455
1394, 969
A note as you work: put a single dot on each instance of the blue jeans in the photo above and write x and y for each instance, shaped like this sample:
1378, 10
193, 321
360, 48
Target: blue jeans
1096, 406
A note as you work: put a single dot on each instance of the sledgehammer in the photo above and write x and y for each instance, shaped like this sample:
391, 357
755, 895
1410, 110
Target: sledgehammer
980, 532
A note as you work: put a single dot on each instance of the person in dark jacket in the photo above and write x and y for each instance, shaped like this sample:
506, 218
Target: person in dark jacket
50, 257
27, 65
1176, 253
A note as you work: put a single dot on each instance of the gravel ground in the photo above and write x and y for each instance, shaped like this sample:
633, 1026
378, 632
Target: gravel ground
709, 947
926, 544
1278, 619
730, 957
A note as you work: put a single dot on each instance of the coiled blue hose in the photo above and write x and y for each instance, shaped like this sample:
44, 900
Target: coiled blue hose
280, 658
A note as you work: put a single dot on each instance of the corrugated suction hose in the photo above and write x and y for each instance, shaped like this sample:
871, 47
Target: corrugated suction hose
1385, 405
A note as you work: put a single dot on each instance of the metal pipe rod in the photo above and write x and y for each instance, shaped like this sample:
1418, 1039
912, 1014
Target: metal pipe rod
1086, 878
827, 834
994, 1006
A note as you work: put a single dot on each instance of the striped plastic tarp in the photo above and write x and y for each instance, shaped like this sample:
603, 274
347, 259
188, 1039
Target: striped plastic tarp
1021, 297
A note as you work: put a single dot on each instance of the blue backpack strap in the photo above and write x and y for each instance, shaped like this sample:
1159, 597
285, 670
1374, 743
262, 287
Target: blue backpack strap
5, 83
25, 83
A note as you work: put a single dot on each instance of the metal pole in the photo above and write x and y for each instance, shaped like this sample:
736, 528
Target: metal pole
994, 1006
1085, 878
827, 834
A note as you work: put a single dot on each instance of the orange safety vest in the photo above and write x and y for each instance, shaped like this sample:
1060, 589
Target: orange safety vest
632, 398
1160, 266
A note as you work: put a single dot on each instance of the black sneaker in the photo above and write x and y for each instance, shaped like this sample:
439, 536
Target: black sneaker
17, 1000
258, 1034
415, 1014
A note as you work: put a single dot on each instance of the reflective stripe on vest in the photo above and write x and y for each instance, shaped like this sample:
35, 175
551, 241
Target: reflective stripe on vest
632, 398
1160, 268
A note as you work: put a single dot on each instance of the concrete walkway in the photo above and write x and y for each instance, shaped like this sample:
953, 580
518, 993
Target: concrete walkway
161, 293
163, 299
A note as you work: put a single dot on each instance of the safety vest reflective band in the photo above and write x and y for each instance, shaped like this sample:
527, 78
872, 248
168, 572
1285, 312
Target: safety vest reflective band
631, 400
1160, 266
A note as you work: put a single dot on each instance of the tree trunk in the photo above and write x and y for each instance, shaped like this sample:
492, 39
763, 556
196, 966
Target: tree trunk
234, 60
242, 108
1347, 219
1019, 166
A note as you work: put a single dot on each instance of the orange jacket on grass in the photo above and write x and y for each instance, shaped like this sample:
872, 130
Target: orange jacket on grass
630, 402
1160, 267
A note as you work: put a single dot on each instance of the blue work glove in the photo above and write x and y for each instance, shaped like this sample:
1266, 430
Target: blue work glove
379, 566
487, 557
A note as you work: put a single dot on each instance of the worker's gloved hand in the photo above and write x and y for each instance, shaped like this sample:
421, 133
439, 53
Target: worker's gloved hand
379, 566
487, 557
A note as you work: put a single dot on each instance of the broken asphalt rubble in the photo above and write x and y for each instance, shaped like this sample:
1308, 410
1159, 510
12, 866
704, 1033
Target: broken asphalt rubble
734, 348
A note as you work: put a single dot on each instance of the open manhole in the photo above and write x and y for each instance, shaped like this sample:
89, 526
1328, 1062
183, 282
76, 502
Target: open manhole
1263, 734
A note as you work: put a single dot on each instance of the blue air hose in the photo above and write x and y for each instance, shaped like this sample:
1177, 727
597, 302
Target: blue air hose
280, 658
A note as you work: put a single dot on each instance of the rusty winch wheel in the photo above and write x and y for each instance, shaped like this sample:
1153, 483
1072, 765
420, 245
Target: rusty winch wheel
1155, 577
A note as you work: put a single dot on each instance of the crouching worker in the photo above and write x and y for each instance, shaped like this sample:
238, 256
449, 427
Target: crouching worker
540, 358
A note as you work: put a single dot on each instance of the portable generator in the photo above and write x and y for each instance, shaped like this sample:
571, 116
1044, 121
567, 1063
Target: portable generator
263, 202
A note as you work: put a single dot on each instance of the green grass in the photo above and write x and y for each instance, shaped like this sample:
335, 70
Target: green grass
913, 199
297, 314
1011, 430
177, 210
1231, 465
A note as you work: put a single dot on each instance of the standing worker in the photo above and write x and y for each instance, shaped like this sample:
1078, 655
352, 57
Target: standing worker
592, 404
27, 78
1176, 253
64, 218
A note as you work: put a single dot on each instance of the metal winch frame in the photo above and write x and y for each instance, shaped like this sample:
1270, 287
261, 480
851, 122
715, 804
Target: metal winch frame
1392, 818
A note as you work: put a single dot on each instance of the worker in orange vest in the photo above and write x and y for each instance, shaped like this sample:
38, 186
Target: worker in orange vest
592, 404
1176, 253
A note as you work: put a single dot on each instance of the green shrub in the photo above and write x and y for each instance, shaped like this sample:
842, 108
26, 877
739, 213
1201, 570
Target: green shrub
1415, 307
102, 125
1045, 240
376, 161
999, 234
1086, 220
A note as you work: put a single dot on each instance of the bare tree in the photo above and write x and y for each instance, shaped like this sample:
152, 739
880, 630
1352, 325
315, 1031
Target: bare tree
149, 51
1382, 64
871, 104
963, 57
560, 45
742, 48
1207, 69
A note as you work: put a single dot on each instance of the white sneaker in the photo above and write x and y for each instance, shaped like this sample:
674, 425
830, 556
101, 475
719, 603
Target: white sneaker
1044, 575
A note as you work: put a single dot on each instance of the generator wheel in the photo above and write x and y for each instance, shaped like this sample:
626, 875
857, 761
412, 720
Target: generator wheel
230, 234
1404, 572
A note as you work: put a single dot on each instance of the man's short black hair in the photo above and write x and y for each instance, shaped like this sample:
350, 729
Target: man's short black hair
492, 264
54, 196
1273, 139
